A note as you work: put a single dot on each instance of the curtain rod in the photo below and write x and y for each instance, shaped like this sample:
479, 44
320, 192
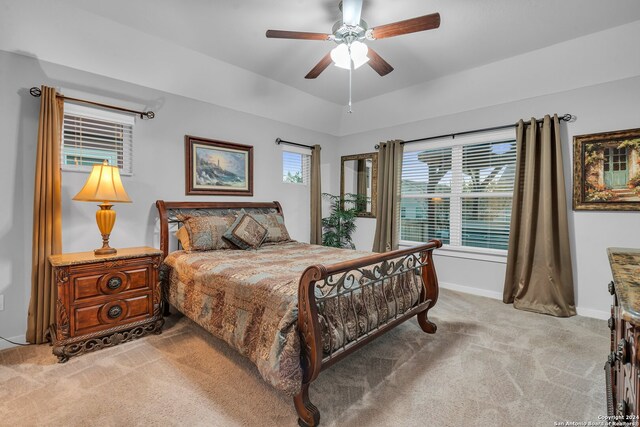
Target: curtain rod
565, 117
282, 141
36, 92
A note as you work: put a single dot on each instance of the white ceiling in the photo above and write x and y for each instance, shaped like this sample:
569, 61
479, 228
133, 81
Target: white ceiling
472, 33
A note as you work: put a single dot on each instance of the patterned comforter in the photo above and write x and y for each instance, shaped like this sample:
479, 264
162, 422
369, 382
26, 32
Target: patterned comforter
249, 299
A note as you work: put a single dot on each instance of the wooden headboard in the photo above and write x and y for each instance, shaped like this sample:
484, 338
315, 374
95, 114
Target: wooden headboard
168, 212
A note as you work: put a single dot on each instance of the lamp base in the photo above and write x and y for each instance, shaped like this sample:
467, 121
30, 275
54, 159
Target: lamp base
105, 251
105, 218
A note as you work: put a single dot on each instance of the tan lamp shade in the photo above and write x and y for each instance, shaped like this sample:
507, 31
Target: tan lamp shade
103, 185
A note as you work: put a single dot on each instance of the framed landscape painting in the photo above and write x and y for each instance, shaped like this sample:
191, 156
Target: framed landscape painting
218, 167
606, 171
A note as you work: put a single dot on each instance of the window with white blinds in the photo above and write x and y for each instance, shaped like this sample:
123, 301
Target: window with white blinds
459, 190
296, 165
92, 135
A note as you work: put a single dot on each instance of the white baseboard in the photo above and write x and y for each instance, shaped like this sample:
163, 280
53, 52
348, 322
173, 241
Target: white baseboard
472, 291
585, 312
596, 314
5, 344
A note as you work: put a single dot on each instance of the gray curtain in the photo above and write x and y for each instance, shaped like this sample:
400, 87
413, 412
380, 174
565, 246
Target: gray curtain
539, 275
47, 217
316, 198
387, 209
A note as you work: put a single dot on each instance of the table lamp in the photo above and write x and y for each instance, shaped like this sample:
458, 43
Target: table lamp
104, 185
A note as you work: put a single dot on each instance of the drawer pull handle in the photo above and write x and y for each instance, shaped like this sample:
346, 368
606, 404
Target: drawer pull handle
114, 283
114, 312
612, 288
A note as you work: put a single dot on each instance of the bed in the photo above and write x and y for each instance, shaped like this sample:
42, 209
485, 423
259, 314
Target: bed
292, 308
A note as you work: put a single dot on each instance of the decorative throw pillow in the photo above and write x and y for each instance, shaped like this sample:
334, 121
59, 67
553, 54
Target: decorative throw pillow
274, 223
205, 232
183, 236
246, 233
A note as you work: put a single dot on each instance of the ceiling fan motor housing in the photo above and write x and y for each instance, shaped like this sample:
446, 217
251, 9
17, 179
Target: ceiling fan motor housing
343, 33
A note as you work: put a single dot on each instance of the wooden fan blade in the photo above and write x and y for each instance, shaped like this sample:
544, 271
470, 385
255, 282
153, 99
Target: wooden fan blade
320, 67
376, 62
421, 23
298, 35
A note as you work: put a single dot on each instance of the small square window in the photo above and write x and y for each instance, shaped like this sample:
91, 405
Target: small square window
295, 167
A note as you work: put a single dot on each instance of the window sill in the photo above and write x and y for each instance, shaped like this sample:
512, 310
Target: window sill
478, 254
87, 171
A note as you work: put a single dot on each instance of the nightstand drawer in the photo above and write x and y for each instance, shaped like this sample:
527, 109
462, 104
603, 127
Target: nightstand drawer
91, 318
132, 278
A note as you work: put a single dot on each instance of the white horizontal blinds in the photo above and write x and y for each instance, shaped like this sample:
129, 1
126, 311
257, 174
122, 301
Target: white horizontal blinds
91, 135
426, 195
488, 173
296, 165
460, 193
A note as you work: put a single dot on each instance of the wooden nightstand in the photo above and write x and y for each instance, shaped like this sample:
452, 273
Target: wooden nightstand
105, 300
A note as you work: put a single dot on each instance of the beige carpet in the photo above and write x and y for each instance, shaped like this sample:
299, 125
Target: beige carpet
488, 364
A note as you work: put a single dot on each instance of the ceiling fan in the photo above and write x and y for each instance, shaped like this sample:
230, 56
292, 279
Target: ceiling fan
349, 34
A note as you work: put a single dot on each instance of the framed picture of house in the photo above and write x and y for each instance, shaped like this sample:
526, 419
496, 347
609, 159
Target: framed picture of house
217, 167
606, 171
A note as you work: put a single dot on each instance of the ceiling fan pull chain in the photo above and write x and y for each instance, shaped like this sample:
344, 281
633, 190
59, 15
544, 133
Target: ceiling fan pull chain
350, 78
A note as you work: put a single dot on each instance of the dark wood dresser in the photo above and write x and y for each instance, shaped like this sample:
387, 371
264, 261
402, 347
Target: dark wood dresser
623, 364
105, 300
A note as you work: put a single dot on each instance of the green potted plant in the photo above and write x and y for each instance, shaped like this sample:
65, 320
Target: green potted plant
341, 223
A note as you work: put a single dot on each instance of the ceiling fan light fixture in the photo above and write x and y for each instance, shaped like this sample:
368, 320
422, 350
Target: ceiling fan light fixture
359, 52
340, 56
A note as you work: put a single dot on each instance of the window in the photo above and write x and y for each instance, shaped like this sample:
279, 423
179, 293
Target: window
459, 191
296, 165
91, 135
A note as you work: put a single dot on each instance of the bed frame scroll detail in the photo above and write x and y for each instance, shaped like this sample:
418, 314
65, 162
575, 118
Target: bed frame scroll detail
349, 280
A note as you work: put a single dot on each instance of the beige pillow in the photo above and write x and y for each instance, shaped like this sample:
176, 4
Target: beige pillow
205, 232
183, 236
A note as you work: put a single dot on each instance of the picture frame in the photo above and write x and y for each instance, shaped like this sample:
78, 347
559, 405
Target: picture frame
219, 168
606, 171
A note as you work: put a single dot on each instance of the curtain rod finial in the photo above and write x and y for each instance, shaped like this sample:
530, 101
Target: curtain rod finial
278, 140
35, 91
